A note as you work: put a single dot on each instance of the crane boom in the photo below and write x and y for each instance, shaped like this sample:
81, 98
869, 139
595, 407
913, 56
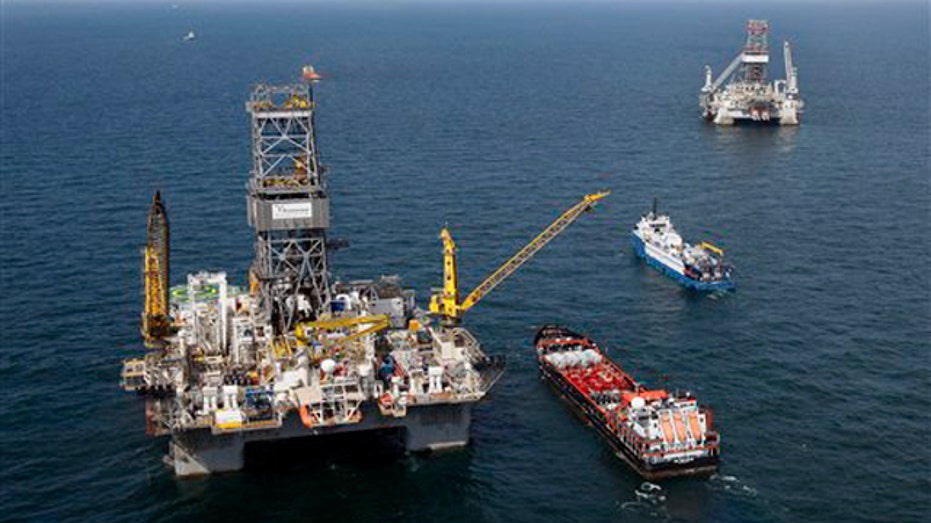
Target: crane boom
726, 73
378, 322
791, 71
156, 323
447, 303
530, 249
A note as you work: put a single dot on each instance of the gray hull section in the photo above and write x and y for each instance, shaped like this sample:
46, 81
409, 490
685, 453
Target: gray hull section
429, 427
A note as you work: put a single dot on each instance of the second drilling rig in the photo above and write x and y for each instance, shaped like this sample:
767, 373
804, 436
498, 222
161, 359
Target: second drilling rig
293, 354
742, 93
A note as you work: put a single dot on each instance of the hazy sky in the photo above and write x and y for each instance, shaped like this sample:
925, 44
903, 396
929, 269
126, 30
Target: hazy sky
441, 2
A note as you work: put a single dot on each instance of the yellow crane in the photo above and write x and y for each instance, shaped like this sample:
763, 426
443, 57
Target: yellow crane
377, 323
156, 323
447, 304
708, 246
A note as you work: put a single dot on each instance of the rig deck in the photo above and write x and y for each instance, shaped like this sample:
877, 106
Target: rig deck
222, 379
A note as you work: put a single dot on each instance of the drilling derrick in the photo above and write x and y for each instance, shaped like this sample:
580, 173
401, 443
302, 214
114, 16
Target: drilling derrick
288, 206
755, 55
156, 323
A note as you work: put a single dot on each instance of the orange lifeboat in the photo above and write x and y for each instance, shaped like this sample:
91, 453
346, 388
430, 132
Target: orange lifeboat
306, 417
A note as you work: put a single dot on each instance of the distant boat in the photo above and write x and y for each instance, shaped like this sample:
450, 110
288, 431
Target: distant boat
189, 36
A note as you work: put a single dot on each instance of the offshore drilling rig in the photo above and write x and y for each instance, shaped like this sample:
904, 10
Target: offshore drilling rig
746, 95
293, 354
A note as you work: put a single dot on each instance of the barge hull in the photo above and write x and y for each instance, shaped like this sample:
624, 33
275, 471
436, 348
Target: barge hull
579, 406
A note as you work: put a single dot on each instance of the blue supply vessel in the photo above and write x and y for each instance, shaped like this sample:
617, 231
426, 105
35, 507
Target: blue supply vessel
700, 267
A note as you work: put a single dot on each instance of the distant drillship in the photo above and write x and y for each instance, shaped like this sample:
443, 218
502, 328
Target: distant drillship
741, 92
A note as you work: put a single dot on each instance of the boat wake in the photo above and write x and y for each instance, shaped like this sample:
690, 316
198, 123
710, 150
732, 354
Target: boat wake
718, 295
650, 501
731, 485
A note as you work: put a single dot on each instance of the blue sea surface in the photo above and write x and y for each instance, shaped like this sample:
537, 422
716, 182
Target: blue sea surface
492, 119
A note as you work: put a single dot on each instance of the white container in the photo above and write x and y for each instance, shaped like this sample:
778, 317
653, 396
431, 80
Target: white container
228, 418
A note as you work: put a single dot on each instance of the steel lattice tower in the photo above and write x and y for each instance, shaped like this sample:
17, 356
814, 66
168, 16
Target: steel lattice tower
288, 206
756, 52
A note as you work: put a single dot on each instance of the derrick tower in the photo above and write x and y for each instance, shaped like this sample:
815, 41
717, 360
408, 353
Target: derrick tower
288, 206
755, 56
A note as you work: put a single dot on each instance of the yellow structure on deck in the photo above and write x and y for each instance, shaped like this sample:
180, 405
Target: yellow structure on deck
376, 323
156, 323
710, 247
447, 304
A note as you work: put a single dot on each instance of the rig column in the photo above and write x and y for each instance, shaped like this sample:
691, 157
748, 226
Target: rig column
437, 427
200, 452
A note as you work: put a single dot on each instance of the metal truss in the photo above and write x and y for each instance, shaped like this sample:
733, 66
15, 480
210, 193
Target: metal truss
293, 274
757, 46
290, 254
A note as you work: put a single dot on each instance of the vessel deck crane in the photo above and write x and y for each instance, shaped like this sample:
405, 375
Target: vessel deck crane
711, 87
447, 304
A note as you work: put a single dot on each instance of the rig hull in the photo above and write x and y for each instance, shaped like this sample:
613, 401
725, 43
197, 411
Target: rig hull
776, 112
423, 429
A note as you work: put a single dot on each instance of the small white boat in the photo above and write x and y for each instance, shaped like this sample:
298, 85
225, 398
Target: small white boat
190, 36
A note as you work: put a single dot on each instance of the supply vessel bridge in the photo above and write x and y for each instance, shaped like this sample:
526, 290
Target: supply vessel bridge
292, 354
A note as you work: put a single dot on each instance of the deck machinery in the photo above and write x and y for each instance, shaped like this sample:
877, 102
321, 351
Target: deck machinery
741, 92
293, 354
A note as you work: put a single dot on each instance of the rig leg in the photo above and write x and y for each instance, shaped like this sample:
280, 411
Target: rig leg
789, 117
201, 453
437, 428
722, 118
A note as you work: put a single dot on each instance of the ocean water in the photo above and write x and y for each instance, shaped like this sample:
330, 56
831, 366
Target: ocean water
491, 118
